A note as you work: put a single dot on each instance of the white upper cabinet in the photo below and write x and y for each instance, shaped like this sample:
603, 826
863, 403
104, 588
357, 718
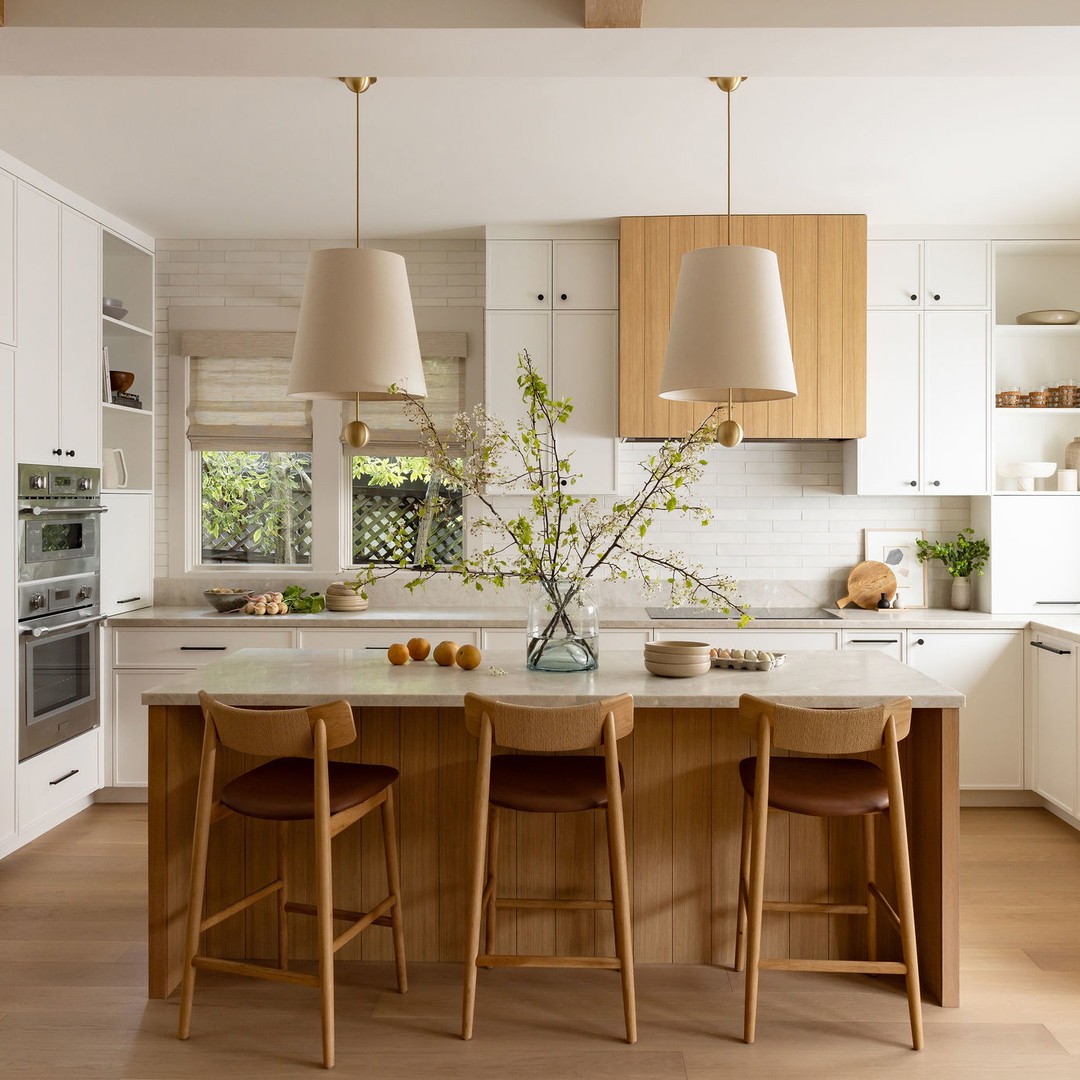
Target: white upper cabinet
524, 275
127, 532
508, 334
928, 274
7, 259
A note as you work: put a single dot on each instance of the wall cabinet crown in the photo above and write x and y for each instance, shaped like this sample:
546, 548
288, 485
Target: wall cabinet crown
928, 274
823, 275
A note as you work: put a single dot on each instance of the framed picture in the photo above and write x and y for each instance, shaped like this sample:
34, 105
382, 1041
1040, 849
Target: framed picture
896, 549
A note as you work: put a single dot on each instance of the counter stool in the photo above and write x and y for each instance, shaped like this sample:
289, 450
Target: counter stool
824, 787
544, 784
335, 794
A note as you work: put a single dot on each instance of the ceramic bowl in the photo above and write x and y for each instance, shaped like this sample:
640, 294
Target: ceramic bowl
227, 601
1049, 317
121, 381
113, 308
1024, 472
678, 669
661, 649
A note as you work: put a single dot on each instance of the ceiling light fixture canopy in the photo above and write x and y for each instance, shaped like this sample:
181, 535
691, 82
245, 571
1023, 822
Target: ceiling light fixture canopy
356, 335
728, 339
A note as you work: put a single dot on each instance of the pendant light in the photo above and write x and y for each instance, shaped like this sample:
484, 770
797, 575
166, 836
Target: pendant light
728, 339
356, 335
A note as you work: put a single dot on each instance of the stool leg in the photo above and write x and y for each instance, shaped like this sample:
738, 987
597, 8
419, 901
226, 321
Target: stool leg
474, 912
744, 885
492, 877
620, 892
324, 902
283, 896
870, 859
906, 911
397, 922
197, 886
757, 895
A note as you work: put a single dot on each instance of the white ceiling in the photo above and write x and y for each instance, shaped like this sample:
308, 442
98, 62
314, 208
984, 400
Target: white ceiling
199, 132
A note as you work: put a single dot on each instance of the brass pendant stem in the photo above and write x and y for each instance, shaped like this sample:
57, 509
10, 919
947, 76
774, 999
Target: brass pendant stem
358, 180
729, 84
358, 84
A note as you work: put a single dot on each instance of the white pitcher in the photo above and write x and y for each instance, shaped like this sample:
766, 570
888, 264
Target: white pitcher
114, 472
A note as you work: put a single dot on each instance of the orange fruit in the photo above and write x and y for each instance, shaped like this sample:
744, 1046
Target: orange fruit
445, 653
397, 654
419, 648
468, 657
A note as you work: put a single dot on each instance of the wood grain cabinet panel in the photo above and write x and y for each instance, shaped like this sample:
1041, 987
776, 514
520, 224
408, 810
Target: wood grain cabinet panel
823, 273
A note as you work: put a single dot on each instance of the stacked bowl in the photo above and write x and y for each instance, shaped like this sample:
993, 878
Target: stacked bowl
677, 659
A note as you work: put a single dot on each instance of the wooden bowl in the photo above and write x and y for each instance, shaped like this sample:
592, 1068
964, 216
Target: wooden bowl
121, 381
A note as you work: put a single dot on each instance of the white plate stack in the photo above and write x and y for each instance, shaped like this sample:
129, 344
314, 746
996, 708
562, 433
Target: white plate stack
677, 659
342, 597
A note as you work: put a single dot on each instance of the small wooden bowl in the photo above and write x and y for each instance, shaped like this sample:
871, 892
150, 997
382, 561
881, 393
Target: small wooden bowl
121, 381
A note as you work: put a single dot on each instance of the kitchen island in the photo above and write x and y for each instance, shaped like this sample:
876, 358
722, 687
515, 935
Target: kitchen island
683, 809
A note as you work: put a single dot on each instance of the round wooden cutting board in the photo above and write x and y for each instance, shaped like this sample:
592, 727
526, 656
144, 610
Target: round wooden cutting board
866, 583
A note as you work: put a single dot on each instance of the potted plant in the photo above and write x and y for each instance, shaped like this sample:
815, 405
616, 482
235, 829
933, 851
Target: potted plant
962, 558
552, 538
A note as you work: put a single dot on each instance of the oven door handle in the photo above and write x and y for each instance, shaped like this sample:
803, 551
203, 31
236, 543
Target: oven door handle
71, 511
41, 631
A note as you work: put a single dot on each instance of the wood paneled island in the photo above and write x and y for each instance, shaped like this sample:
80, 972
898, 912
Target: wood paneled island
683, 806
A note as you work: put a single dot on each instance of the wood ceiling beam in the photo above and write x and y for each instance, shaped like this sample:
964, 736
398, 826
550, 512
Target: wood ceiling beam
611, 14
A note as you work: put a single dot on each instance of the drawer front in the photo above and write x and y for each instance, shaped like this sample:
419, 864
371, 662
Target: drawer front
170, 647
611, 641
771, 640
58, 776
890, 642
375, 639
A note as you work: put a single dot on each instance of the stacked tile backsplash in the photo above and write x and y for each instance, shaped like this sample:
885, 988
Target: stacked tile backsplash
780, 516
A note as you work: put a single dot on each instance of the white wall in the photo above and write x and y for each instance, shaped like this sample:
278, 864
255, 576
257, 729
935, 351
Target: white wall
781, 516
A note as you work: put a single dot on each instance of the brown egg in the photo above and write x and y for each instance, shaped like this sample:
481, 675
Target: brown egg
468, 657
397, 654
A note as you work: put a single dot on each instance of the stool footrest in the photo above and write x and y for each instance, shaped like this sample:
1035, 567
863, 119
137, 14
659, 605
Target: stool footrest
240, 905
814, 908
558, 905
889, 910
610, 963
861, 967
341, 914
255, 971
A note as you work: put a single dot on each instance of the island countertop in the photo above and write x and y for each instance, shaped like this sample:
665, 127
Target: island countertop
291, 677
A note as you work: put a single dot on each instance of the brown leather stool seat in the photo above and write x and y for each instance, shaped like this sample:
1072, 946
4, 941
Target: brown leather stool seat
541, 784
284, 789
821, 787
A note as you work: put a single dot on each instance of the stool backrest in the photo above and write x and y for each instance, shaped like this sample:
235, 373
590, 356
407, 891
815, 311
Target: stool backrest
549, 728
823, 731
278, 732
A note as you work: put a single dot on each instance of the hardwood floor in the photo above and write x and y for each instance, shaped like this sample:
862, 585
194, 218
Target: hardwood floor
73, 990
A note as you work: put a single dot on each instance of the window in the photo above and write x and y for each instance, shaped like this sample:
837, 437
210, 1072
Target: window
256, 462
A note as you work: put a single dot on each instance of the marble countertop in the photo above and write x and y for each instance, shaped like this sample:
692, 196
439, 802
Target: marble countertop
291, 677
611, 618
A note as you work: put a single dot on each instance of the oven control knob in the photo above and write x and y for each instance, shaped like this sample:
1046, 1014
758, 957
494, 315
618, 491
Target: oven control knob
85, 483
38, 482
37, 601
86, 592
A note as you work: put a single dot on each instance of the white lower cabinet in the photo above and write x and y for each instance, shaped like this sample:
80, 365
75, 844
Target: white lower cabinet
129, 743
126, 548
383, 639
50, 781
507, 638
769, 640
988, 667
1054, 721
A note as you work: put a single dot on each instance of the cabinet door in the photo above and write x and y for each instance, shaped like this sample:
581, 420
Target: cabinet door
8, 612
893, 278
988, 667
585, 274
7, 259
888, 458
1055, 701
128, 742
37, 360
585, 360
127, 541
956, 366
519, 274
80, 339
956, 273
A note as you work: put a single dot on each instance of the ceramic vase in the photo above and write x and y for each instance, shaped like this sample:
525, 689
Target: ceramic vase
961, 593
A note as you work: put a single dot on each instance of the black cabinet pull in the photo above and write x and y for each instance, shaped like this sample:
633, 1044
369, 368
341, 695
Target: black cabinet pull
71, 453
61, 779
203, 648
1050, 648
58, 452
873, 641
1038, 602
131, 600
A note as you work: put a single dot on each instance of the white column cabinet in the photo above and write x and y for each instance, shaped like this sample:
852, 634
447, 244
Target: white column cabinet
1054, 728
127, 531
988, 667
7, 259
928, 274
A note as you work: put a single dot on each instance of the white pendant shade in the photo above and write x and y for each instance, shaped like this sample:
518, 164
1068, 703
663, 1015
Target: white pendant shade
728, 329
357, 331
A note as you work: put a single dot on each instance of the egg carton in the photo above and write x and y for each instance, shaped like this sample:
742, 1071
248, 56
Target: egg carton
749, 665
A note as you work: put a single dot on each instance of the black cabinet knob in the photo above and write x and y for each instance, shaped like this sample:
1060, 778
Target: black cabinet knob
913, 483
58, 452
919, 641
564, 482
562, 296
937, 296
540, 296
935, 483
71, 453
914, 296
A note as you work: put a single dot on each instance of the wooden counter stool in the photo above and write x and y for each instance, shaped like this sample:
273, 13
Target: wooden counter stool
542, 784
335, 794
824, 787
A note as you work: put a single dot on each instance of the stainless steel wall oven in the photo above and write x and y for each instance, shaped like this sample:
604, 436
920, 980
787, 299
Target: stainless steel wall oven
59, 613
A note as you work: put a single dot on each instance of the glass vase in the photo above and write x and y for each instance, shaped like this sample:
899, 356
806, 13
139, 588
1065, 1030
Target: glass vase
961, 593
563, 630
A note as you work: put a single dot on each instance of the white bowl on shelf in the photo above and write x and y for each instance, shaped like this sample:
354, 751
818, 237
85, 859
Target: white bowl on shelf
1049, 317
1025, 472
